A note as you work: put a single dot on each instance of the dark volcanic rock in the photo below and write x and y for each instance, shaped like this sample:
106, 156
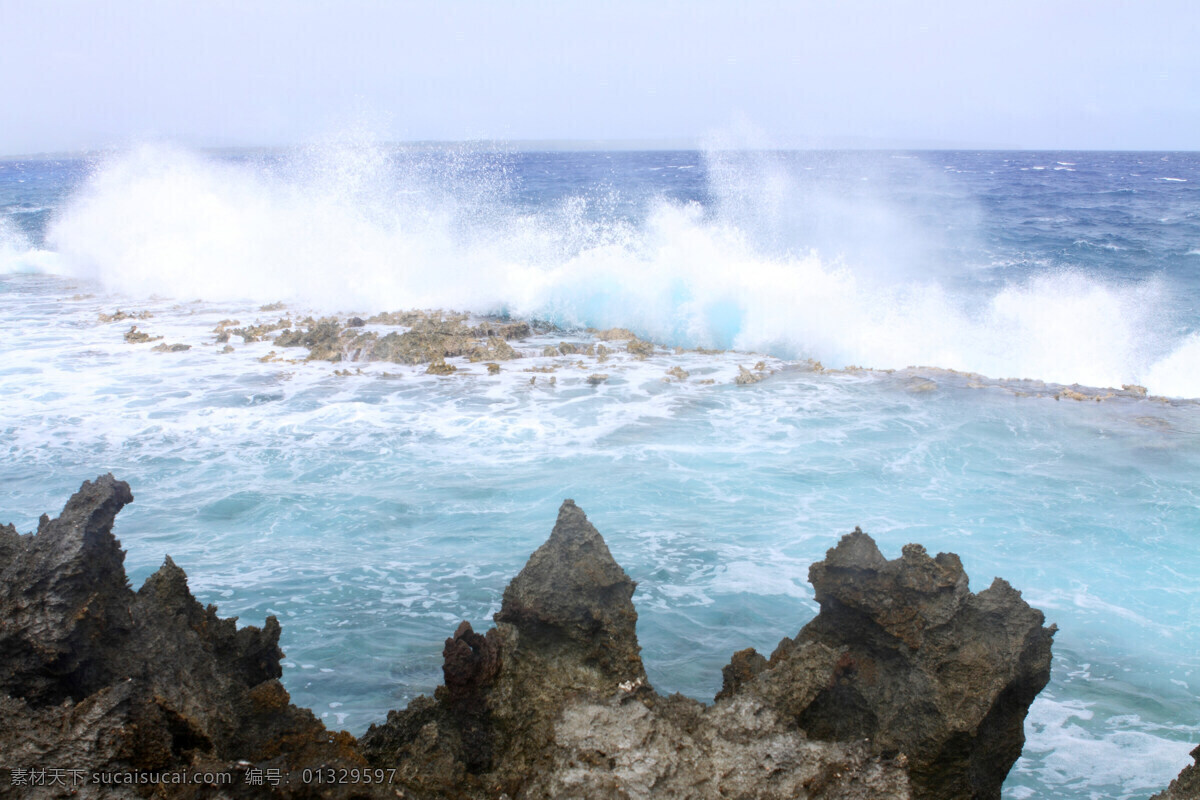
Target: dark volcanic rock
572, 596
96, 678
64, 601
566, 630
923, 668
905, 685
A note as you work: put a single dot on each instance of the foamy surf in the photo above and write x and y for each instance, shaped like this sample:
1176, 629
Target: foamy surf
341, 497
365, 229
342, 501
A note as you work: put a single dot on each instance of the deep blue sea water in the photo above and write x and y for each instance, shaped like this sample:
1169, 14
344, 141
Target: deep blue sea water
372, 512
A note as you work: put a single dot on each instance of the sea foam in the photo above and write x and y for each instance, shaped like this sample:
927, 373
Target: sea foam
366, 228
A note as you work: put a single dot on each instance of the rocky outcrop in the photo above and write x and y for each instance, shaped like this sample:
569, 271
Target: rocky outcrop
431, 337
565, 632
97, 678
906, 684
904, 655
1187, 785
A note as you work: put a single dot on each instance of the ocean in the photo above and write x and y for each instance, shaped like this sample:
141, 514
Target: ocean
990, 353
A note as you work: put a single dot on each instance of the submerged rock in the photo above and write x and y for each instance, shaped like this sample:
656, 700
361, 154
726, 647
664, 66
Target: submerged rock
119, 315
905, 685
745, 377
678, 373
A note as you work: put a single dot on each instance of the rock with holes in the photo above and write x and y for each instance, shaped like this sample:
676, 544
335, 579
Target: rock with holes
904, 655
553, 702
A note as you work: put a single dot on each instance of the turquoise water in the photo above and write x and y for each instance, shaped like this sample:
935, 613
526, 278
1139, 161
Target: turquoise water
371, 513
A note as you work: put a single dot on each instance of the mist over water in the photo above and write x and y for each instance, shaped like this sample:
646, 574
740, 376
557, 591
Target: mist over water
864, 260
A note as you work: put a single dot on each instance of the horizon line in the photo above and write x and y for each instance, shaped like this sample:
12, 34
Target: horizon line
631, 144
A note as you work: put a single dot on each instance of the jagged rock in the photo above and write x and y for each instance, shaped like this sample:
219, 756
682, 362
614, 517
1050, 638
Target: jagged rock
921, 666
906, 685
572, 594
565, 630
64, 601
97, 678
1187, 785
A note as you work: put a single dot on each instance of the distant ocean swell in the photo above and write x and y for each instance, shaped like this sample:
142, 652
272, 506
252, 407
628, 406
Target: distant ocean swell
350, 229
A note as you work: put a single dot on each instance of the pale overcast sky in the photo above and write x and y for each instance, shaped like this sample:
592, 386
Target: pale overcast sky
1045, 74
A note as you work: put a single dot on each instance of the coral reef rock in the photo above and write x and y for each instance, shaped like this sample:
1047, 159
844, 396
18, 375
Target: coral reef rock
99, 679
905, 685
432, 337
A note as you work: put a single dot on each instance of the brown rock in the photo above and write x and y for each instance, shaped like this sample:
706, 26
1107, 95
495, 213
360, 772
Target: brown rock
923, 667
94, 677
1187, 785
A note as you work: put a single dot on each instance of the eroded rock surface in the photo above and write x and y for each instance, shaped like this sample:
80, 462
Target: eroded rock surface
904, 655
95, 677
905, 685
431, 337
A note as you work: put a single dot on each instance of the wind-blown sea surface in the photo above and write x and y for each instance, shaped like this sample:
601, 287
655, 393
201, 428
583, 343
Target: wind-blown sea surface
372, 511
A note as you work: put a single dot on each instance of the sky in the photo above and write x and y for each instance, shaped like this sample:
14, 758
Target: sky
1102, 74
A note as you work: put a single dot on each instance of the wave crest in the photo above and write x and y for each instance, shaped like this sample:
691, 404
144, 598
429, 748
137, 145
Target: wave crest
345, 228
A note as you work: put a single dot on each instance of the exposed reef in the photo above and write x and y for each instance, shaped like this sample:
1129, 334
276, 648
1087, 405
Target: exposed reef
430, 338
906, 684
